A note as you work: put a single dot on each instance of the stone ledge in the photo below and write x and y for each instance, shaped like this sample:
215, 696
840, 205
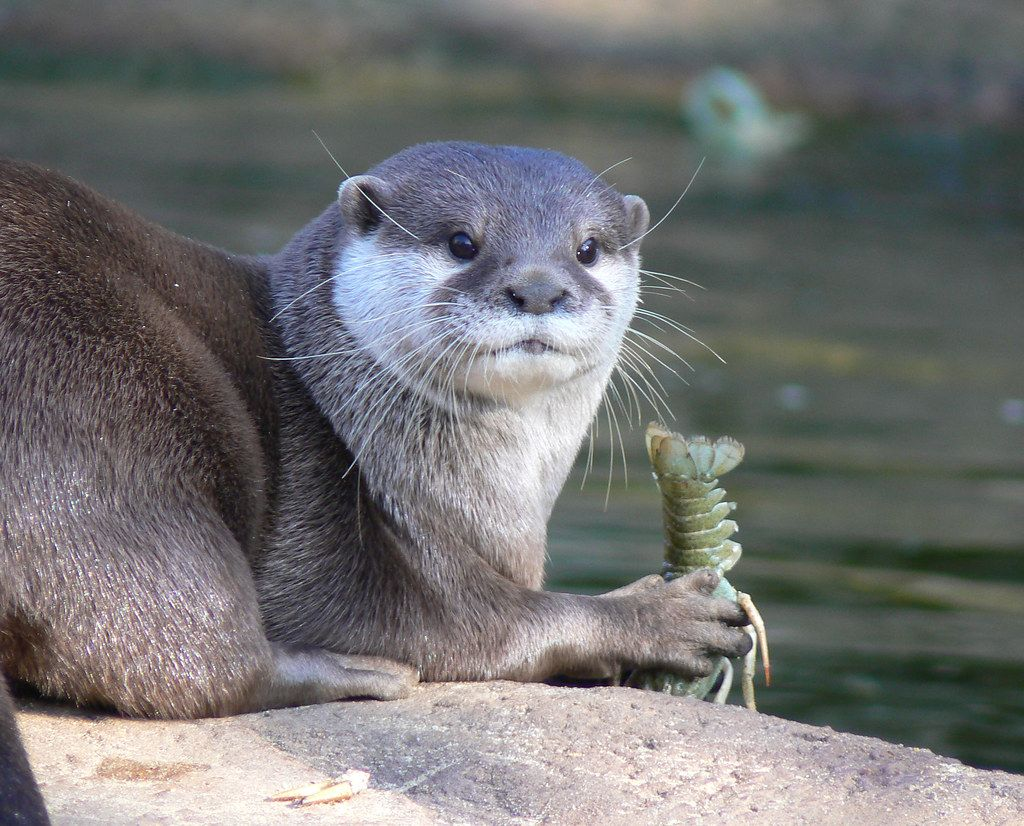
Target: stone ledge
502, 753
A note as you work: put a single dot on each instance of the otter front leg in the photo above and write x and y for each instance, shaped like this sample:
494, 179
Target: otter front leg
521, 634
676, 625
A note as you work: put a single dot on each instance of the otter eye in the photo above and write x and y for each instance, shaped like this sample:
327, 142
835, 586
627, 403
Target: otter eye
462, 246
586, 253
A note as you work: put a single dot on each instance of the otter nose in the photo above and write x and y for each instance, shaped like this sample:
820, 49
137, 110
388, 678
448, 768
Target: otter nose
537, 295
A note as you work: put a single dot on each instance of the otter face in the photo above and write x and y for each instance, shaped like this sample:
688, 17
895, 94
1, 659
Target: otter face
494, 272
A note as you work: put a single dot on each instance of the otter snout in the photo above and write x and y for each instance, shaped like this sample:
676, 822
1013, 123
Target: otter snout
538, 292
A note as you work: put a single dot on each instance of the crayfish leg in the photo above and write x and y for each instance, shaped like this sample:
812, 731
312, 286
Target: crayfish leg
749, 667
747, 604
723, 690
759, 625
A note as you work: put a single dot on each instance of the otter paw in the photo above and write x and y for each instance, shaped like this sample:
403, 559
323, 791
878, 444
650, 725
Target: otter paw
682, 628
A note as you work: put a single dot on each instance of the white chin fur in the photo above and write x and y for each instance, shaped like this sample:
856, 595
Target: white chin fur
514, 375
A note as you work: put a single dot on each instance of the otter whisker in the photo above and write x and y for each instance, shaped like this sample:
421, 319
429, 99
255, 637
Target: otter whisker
611, 450
648, 315
671, 209
383, 377
662, 346
600, 175
425, 383
639, 365
461, 359
447, 381
622, 447
469, 365
367, 424
450, 289
346, 351
454, 353
417, 420
662, 275
657, 408
355, 348
629, 386
331, 278
361, 191
420, 387
682, 328
664, 290
617, 395
642, 385
630, 392
590, 454
649, 354
448, 388
648, 391
403, 311
365, 391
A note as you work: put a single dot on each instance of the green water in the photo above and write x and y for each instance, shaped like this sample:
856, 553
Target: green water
867, 294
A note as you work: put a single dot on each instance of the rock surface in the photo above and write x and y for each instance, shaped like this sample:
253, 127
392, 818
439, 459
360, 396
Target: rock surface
502, 753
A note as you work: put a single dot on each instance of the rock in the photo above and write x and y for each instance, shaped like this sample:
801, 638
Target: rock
501, 753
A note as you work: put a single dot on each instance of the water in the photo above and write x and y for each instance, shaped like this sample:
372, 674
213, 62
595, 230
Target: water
867, 294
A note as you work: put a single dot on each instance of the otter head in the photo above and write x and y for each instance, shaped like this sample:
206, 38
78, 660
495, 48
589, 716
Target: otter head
499, 273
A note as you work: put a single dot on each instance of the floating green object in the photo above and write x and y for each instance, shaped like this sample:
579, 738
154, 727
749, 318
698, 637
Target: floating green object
697, 535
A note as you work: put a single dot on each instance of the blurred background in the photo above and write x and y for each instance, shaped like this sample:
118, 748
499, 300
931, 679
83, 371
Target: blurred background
857, 231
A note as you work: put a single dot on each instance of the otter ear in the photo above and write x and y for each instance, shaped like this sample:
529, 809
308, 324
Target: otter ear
637, 216
363, 200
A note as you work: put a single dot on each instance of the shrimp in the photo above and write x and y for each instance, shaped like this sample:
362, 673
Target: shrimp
697, 535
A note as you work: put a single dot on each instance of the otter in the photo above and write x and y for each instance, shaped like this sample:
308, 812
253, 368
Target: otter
234, 483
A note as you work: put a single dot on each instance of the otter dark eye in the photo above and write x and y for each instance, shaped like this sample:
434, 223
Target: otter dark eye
586, 253
462, 246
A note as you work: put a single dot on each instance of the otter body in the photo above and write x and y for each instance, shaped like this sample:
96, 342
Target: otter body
233, 483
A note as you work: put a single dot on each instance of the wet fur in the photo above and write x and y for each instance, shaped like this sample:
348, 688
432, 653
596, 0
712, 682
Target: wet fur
198, 513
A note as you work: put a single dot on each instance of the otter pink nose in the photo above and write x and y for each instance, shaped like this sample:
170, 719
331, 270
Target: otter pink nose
537, 296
